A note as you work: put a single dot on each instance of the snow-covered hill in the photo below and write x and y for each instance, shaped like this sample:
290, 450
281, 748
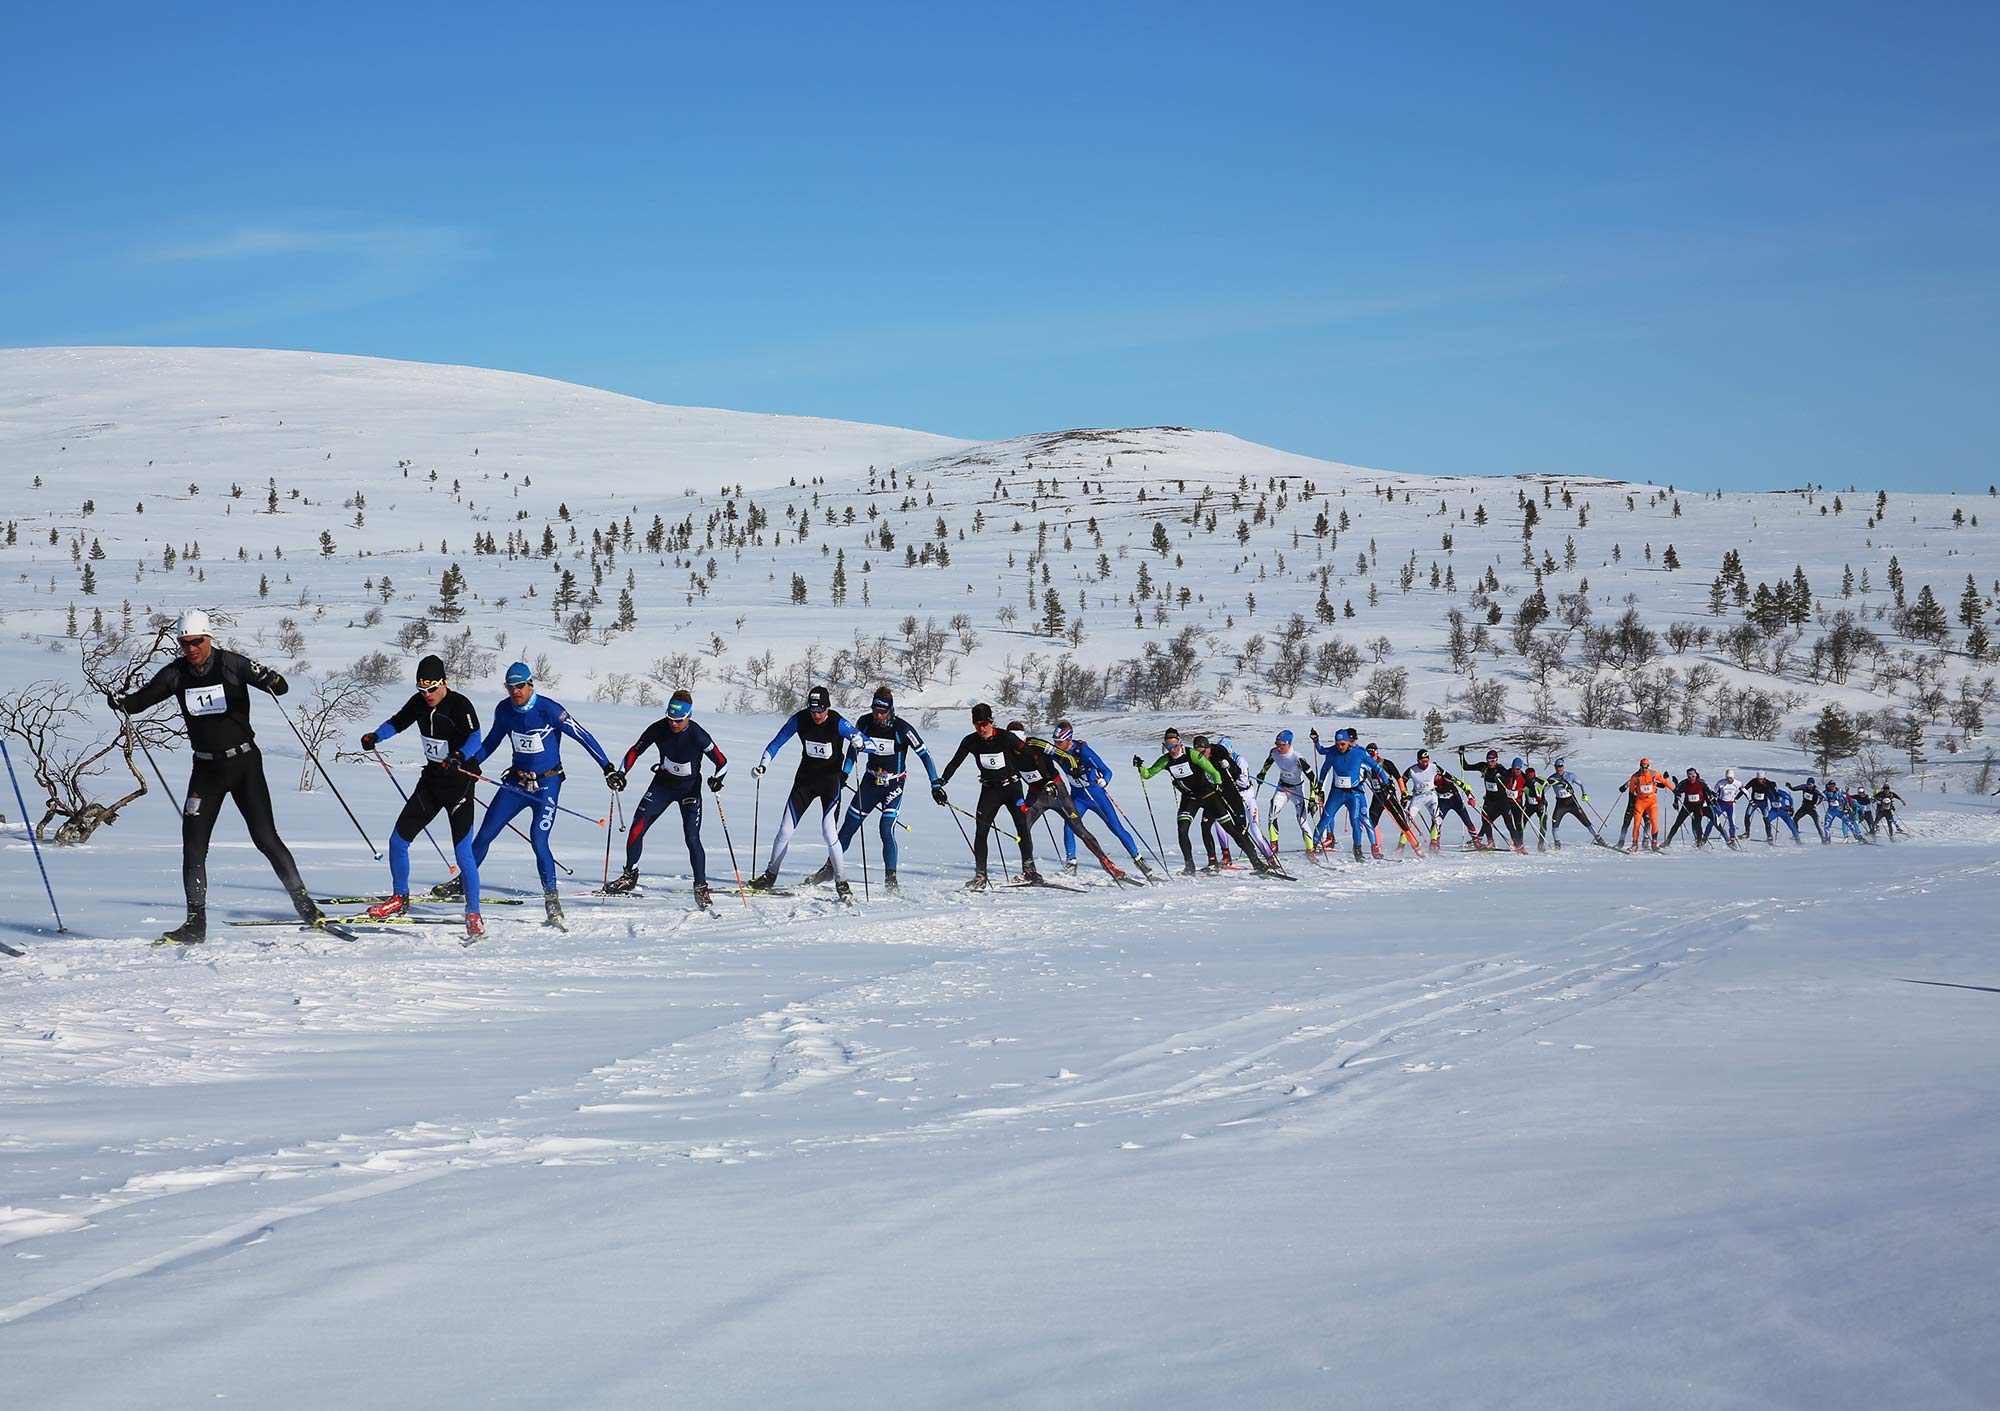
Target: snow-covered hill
1565, 1128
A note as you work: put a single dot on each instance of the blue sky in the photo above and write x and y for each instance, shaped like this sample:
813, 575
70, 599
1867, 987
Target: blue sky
1739, 245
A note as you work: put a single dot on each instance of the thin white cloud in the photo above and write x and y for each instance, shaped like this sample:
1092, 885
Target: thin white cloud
386, 242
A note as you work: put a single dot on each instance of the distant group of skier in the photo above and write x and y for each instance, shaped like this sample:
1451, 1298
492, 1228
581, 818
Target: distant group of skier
848, 770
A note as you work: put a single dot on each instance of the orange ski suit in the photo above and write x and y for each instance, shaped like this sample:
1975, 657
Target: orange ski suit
1645, 786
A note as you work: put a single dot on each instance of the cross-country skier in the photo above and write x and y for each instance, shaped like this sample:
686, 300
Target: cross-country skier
212, 687
881, 743
824, 762
1691, 797
533, 726
676, 784
1294, 795
1241, 796
1723, 805
1382, 796
1453, 794
1343, 767
1502, 802
1089, 780
445, 721
996, 755
1809, 802
1534, 807
1422, 780
1202, 793
1040, 768
1566, 789
1779, 810
1644, 786
1886, 800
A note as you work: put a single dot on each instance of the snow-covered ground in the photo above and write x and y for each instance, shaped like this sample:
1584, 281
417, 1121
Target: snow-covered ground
1569, 1129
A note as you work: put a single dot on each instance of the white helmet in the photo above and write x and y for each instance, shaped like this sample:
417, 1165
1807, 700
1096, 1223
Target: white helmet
1729, 774
194, 623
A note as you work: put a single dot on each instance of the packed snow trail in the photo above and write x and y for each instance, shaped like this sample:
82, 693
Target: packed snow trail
1231, 1140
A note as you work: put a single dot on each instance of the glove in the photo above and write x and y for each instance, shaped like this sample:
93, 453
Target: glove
527, 783
112, 699
370, 740
1314, 733
276, 684
757, 770
715, 783
1138, 763
454, 762
938, 795
615, 777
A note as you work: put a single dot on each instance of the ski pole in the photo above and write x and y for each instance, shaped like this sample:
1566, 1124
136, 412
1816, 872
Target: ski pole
756, 819
313, 755
1159, 848
613, 811
529, 794
732, 852
1164, 869
968, 841
995, 825
33, 841
450, 866
140, 740
866, 894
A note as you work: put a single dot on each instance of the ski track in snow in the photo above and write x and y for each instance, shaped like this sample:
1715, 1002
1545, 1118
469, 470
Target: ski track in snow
876, 1059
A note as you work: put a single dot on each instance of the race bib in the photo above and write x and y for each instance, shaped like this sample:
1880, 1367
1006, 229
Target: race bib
876, 745
1347, 781
205, 700
1031, 776
1180, 769
818, 749
674, 766
991, 761
435, 749
526, 742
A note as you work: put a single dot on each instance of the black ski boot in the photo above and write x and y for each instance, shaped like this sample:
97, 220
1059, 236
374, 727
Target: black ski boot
1029, 874
1214, 868
819, 878
1145, 867
553, 912
889, 881
843, 891
764, 881
191, 932
621, 884
978, 883
307, 908
703, 897
452, 890
1187, 869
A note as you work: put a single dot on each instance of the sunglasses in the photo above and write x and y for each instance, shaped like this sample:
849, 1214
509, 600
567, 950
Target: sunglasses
522, 686
430, 685
192, 641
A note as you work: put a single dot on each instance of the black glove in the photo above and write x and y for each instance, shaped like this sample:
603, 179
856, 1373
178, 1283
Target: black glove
454, 762
938, 795
274, 683
370, 740
615, 777
1314, 733
115, 701
715, 784
1138, 763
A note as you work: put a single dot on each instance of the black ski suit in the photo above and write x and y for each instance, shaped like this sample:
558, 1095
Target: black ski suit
215, 706
998, 759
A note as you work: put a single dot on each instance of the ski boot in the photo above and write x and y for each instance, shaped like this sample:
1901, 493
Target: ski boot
552, 911
1030, 874
621, 884
1213, 868
843, 891
1069, 868
1145, 868
1187, 869
764, 881
703, 897
307, 908
451, 890
890, 883
1359, 856
474, 927
1109, 866
389, 906
1378, 852
1227, 860
978, 883
825, 874
1521, 850
191, 932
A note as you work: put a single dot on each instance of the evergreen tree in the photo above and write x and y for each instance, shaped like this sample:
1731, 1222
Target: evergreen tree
1970, 604
1832, 739
449, 588
628, 614
1670, 560
1162, 545
1053, 615
1926, 620
326, 543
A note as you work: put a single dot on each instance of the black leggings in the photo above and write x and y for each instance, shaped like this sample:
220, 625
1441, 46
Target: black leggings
1565, 807
1501, 809
213, 780
1215, 810
659, 798
993, 798
437, 793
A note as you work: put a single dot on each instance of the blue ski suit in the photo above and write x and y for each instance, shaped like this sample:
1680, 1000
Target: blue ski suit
1088, 779
535, 733
1343, 767
882, 757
